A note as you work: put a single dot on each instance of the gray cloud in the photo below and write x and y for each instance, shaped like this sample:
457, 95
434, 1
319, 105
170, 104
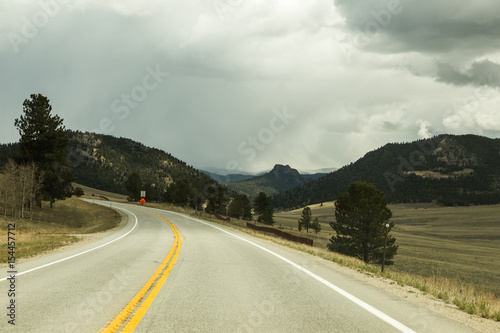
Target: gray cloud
228, 73
479, 74
425, 26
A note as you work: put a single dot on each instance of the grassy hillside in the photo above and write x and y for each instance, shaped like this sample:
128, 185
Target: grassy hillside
68, 222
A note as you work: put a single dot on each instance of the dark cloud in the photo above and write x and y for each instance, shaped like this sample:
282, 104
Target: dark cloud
425, 25
483, 73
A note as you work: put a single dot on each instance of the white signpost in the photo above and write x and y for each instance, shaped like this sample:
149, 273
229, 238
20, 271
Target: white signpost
143, 194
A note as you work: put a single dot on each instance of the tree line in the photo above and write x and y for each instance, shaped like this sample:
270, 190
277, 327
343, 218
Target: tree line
20, 187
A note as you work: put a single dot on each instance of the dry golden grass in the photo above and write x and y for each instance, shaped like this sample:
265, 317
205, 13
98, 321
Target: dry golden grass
56, 227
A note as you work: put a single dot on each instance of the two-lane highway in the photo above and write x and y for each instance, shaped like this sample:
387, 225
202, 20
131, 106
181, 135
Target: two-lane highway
222, 281
82, 289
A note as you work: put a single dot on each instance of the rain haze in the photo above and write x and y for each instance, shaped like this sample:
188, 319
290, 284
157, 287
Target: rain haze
243, 85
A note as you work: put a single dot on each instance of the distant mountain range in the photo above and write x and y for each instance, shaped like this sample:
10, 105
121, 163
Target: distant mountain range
280, 178
224, 178
447, 169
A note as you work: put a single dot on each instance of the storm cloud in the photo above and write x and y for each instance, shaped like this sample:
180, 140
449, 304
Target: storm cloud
204, 80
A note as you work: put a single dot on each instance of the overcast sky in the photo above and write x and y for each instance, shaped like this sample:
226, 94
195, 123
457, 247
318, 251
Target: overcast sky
246, 84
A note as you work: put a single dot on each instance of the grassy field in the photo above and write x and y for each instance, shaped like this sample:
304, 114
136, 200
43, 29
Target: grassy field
56, 227
461, 243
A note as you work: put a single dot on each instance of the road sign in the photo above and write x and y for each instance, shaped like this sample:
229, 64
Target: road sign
143, 194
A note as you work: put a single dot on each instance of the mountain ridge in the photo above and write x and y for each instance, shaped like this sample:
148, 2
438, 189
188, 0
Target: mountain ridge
104, 162
447, 169
280, 178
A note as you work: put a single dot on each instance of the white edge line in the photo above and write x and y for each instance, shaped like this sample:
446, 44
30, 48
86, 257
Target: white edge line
81, 253
391, 321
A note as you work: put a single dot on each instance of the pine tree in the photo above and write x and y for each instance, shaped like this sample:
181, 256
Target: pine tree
44, 141
361, 217
315, 225
133, 185
263, 208
217, 199
305, 219
240, 207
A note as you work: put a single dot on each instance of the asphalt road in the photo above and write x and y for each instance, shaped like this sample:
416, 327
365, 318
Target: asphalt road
222, 281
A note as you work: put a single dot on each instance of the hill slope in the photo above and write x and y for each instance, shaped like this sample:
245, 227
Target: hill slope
448, 169
105, 162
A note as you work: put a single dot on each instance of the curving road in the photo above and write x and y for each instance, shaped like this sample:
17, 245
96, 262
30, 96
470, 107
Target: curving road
221, 281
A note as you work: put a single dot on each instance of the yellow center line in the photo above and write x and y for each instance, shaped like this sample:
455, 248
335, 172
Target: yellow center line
118, 321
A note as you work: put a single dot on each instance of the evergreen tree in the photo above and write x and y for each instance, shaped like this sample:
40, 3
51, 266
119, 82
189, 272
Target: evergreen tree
361, 216
260, 203
240, 207
267, 216
44, 141
217, 199
315, 225
179, 193
133, 185
151, 193
263, 208
305, 219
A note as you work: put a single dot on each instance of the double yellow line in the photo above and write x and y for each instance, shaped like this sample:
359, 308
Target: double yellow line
132, 314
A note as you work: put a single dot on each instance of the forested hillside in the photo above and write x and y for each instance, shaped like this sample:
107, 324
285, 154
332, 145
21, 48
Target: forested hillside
448, 169
105, 162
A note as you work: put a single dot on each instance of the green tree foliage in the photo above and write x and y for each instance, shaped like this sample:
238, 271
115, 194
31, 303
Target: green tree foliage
217, 199
44, 141
263, 208
305, 220
361, 216
179, 193
78, 192
152, 192
268, 216
133, 185
240, 207
315, 225
260, 203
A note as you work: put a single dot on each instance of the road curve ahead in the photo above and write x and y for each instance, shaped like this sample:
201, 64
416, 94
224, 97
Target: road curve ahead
226, 281
221, 281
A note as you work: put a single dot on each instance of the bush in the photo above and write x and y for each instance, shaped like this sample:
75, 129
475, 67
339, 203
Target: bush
78, 192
